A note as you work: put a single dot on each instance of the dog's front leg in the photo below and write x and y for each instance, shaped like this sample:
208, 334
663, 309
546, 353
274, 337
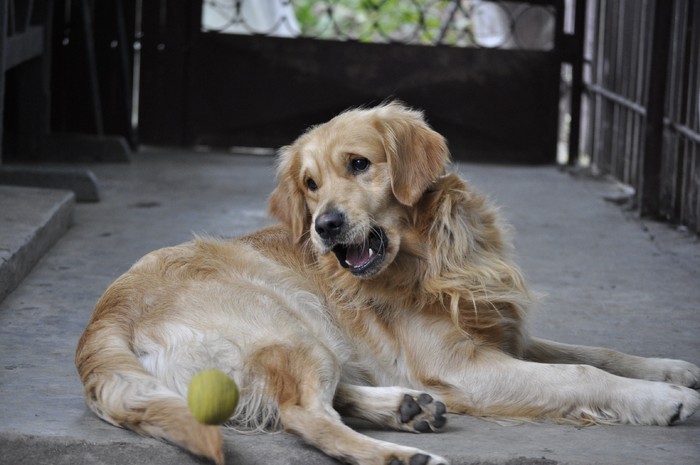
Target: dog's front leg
391, 407
494, 384
630, 366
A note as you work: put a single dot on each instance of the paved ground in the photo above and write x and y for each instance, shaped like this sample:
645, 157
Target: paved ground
611, 280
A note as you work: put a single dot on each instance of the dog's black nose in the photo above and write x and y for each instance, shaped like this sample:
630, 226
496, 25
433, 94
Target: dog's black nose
329, 224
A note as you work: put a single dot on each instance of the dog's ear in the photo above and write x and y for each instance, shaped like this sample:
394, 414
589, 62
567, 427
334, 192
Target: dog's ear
417, 155
286, 203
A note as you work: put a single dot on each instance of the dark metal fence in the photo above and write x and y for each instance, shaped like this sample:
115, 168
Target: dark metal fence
487, 74
460, 23
642, 103
490, 78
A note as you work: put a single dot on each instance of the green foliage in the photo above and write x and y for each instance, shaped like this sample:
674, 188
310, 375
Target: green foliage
412, 21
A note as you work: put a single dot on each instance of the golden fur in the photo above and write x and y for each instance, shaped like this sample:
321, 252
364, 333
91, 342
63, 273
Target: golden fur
387, 293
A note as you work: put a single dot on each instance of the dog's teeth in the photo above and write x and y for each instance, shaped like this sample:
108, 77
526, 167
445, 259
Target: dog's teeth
371, 252
347, 262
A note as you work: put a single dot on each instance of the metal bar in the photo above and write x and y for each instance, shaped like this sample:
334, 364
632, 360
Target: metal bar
602, 155
597, 142
685, 131
613, 67
626, 142
620, 85
3, 34
616, 98
640, 72
577, 81
125, 69
194, 32
653, 137
92, 68
683, 29
136, 69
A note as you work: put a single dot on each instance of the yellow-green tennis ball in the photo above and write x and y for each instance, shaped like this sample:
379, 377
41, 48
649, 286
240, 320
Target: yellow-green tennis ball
212, 397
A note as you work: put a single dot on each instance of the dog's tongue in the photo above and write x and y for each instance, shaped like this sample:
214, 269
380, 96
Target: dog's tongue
358, 254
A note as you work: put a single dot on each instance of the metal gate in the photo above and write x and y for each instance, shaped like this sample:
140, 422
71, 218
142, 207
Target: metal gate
643, 102
493, 90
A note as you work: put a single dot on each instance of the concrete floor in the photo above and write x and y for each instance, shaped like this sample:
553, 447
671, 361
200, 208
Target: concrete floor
610, 280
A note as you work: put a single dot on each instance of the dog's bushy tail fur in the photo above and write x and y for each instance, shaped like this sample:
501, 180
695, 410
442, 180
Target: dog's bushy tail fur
121, 392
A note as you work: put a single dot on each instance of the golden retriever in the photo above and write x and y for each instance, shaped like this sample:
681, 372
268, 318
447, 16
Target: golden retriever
387, 293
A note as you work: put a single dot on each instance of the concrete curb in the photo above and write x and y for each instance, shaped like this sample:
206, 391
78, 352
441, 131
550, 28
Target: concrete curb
31, 222
82, 182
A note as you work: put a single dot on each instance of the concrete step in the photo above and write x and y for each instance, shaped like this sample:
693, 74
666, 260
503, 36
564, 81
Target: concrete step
31, 221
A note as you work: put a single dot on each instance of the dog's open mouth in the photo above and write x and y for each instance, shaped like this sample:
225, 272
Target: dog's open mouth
365, 257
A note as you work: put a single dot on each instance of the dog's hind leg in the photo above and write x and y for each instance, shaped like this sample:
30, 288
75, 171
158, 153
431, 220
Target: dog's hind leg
302, 380
495, 384
612, 361
391, 407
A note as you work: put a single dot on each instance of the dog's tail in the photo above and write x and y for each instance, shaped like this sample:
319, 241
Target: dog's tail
120, 391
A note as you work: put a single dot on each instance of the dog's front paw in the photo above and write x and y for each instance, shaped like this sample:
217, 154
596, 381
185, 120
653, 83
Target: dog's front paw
686, 402
673, 372
422, 413
663, 404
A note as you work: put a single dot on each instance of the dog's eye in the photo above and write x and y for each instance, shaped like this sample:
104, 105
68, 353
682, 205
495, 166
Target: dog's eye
311, 184
359, 165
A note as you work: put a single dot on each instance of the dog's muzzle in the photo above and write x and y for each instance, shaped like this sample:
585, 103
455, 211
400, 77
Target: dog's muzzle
361, 257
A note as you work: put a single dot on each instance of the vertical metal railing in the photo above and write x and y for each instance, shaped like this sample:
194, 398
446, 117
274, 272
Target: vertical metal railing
650, 181
642, 92
618, 61
680, 170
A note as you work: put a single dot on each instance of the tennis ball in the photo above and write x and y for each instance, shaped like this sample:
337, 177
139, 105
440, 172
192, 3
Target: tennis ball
212, 397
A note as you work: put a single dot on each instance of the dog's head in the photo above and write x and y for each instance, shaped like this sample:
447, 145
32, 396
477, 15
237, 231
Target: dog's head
350, 184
